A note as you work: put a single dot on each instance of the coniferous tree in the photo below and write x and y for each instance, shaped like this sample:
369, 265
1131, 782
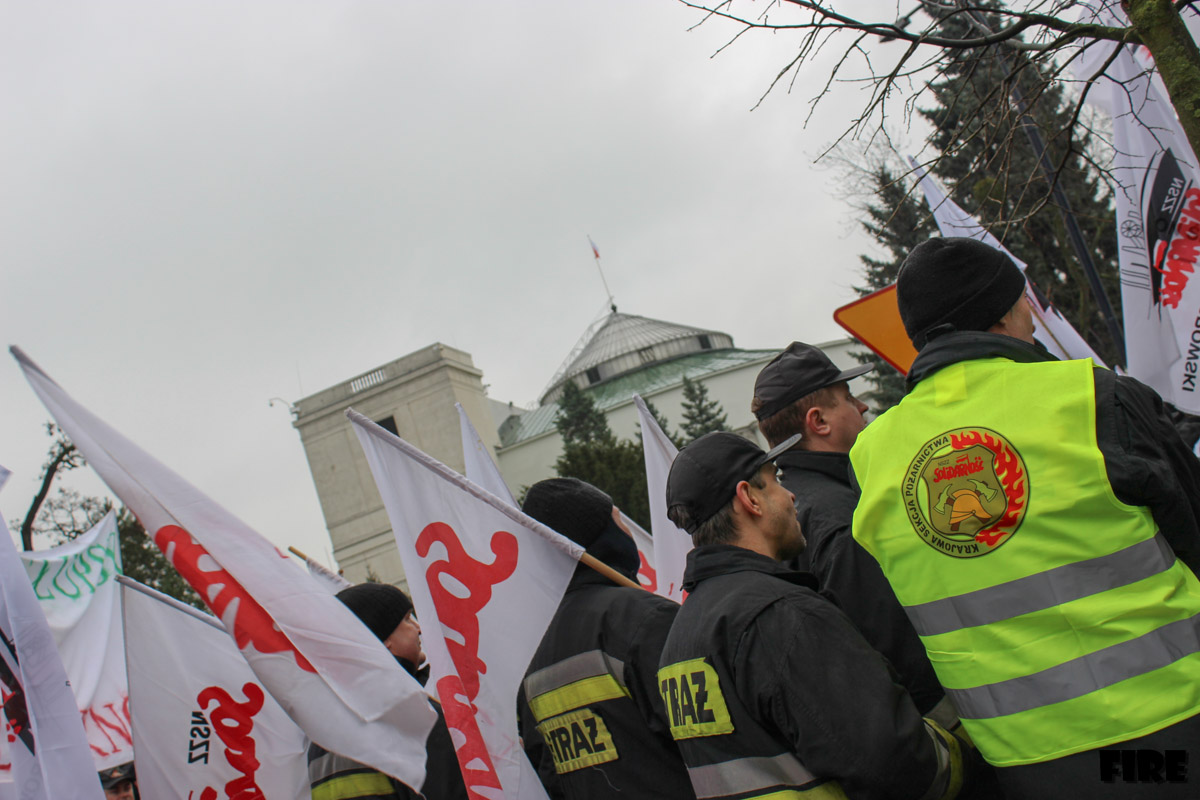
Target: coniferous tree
701, 415
991, 169
899, 222
592, 453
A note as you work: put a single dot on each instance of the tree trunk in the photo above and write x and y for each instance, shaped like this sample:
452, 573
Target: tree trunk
1162, 30
63, 454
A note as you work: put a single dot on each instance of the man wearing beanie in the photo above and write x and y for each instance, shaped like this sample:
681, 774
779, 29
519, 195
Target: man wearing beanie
771, 690
1037, 519
801, 391
592, 719
387, 612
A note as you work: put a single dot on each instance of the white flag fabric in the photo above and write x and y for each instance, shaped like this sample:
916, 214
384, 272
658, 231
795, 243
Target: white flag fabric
75, 584
326, 577
1053, 330
486, 581
47, 751
671, 543
482, 471
479, 466
205, 728
647, 576
1158, 220
325, 668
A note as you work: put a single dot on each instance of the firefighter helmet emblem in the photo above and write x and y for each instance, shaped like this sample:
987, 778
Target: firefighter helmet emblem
966, 492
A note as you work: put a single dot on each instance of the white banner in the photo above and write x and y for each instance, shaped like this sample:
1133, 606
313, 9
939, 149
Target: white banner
478, 464
671, 543
334, 678
75, 584
326, 577
482, 471
486, 581
1158, 220
1053, 330
205, 728
46, 754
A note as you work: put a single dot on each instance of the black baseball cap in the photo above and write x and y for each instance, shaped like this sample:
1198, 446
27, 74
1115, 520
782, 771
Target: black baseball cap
117, 775
798, 371
705, 474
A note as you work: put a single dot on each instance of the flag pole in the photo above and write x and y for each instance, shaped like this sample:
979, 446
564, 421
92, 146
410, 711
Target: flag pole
607, 571
297, 553
596, 252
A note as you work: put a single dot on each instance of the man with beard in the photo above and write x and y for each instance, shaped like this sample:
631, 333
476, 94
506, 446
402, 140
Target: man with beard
387, 612
771, 690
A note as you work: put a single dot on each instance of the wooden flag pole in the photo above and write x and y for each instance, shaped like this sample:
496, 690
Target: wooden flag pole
608, 572
297, 553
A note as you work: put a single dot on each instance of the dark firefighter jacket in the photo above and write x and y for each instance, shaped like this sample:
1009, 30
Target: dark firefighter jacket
825, 507
593, 722
772, 690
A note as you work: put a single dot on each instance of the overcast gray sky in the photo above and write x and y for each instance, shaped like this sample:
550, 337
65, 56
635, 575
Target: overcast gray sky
204, 205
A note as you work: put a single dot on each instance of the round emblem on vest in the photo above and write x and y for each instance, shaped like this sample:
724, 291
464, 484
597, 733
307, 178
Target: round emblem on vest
966, 492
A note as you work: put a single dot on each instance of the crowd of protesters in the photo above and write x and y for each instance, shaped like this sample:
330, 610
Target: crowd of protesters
987, 592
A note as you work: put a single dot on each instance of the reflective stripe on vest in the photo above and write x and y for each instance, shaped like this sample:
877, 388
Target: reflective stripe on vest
582, 679
1043, 590
1067, 623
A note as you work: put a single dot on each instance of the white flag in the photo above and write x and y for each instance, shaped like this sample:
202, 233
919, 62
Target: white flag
647, 576
46, 749
482, 471
1158, 220
205, 728
308, 650
1053, 330
479, 466
326, 577
75, 584
671, 544
486, 581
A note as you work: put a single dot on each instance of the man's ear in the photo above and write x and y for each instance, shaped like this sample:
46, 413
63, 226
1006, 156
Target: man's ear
746, 500
815, 423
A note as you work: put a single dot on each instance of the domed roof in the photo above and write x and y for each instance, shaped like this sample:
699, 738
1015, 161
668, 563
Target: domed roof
621, 343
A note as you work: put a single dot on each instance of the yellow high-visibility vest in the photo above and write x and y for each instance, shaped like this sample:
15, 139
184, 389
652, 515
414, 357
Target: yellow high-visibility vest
1056, 616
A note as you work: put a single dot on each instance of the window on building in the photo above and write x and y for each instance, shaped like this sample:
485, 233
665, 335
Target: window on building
388, 424
593, 375
705, 342
646, 354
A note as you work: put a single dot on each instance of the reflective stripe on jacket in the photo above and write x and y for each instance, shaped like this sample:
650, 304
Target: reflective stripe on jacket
591, 699
772, 693
1055, 617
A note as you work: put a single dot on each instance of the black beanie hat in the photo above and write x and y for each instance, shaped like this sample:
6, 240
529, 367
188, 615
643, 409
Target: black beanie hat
577, 510
380, 606
955, 284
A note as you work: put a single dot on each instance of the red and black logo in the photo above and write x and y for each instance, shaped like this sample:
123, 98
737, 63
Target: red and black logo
1171, 215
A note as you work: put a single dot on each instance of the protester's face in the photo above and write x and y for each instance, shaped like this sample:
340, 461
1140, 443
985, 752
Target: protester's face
405, 641
845, 418
780, 515
122, 791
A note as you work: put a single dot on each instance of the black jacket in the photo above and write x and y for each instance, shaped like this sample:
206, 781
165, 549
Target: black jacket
590, 703
1147, 463
825, 504
806, 678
